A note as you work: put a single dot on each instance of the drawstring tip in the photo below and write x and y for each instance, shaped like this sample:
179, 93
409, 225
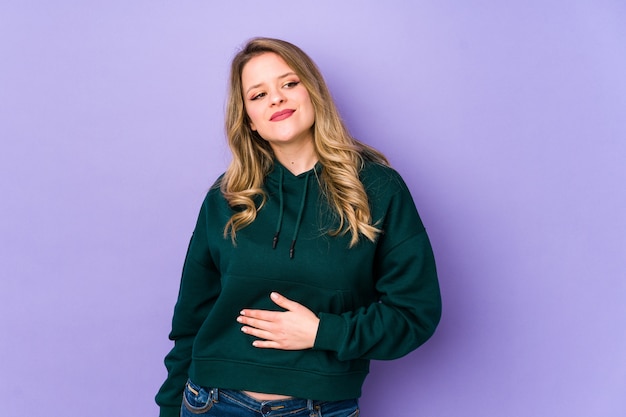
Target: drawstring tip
292, 249
275, 241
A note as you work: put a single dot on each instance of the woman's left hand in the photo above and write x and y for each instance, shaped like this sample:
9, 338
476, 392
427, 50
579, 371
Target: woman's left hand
294, 329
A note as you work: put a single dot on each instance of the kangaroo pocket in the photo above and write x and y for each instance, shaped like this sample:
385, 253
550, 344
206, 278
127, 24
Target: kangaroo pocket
220, 337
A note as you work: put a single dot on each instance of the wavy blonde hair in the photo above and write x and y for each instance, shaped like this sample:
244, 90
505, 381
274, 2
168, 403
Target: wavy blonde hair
340, 155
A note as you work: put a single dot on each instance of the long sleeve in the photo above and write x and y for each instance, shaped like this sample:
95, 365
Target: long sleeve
408, 308
199, 287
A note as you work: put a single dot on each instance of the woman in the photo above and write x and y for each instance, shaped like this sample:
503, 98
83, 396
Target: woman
308, 258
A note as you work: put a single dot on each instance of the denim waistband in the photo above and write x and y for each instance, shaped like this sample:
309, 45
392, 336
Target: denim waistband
274, 408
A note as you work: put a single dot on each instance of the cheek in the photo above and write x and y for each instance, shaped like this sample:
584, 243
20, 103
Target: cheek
253, 117
310, 113
308, 104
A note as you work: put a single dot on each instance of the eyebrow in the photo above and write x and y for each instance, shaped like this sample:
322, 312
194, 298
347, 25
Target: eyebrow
278, 78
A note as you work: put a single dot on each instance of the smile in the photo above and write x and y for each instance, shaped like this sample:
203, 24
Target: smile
281, 115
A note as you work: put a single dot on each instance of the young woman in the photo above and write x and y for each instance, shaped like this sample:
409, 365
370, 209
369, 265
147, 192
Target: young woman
308, 258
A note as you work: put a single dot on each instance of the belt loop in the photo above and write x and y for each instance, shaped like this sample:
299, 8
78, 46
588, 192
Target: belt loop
314, 409
214, 395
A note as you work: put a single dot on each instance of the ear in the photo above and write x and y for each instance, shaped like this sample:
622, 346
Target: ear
252, 126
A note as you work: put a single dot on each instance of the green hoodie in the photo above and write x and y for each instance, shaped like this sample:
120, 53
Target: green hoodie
376, 300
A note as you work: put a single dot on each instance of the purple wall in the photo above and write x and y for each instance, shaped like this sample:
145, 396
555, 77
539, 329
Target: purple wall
508, 122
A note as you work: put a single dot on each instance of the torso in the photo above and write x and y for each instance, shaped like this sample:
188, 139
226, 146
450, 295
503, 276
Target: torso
259, 396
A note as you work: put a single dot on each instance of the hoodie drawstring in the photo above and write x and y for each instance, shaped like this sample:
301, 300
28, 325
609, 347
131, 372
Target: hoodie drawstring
279, 223
292, 249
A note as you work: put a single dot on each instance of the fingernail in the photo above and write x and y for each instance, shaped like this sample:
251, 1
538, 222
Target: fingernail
274, 295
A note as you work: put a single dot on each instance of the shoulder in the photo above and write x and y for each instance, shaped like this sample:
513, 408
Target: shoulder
217, 184
214, 195
381, 179
390, 199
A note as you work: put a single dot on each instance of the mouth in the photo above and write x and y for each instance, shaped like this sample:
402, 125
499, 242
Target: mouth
281, 115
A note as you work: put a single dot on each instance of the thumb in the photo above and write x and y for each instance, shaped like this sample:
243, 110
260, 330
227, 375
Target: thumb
282, 301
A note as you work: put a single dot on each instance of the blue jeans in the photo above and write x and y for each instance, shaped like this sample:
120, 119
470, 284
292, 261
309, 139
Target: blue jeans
213, 402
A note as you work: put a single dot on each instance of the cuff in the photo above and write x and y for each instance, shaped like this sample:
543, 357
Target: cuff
169, 411
331, 332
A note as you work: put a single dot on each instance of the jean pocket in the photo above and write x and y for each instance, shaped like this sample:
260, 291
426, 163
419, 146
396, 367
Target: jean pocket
345, 408
197, 400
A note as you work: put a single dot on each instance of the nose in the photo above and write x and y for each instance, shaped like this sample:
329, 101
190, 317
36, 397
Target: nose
277, 97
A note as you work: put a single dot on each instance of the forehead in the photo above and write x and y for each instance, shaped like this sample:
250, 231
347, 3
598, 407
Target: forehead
262, 68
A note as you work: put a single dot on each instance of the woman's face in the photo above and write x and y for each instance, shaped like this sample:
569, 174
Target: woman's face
277, 104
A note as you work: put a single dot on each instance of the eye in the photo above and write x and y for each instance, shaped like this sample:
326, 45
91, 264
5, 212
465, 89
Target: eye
292, 84
257, 96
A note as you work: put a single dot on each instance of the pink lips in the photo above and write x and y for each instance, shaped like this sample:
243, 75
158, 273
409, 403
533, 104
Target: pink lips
281, 115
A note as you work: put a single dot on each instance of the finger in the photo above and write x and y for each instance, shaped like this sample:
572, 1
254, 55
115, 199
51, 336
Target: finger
266, 344
284, 302
256, 323
258, 333
265, 315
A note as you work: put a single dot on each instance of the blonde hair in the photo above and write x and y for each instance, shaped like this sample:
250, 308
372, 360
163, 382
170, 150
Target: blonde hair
340, 155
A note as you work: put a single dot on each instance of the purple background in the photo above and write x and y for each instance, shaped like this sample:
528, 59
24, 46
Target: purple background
507, 120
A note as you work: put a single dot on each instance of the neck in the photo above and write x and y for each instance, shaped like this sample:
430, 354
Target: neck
297, 160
